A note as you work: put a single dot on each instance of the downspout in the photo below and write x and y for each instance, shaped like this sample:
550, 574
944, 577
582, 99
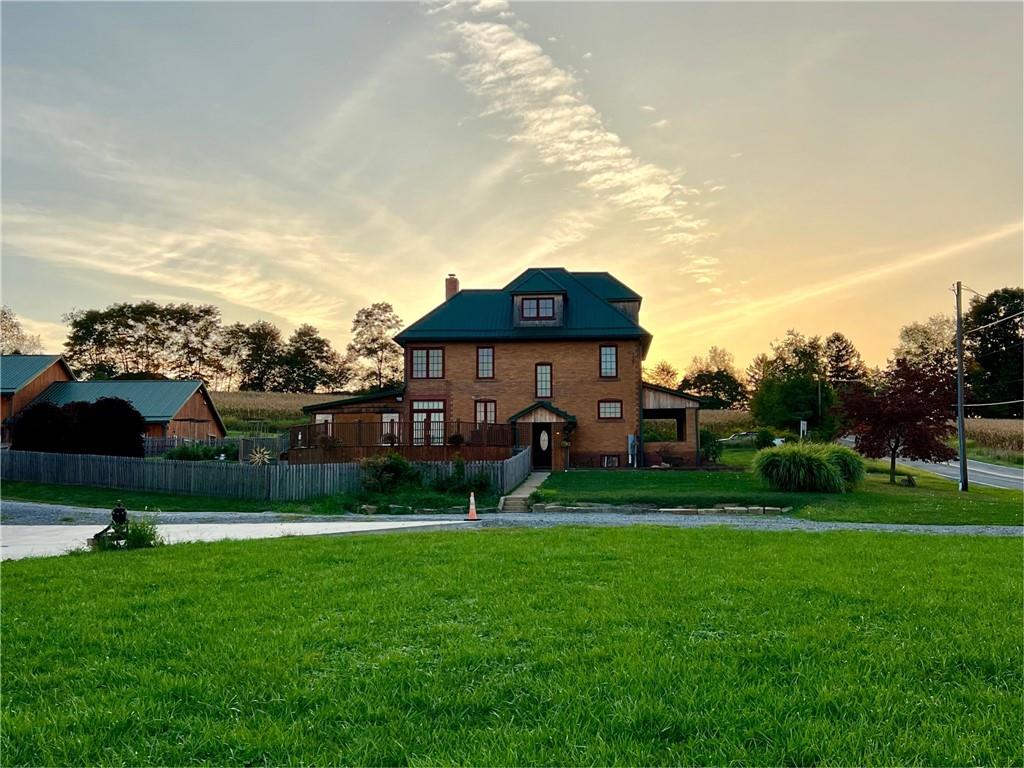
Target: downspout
640, 425
696, 431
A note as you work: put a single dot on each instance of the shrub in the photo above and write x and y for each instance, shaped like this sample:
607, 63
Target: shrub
710, 448
110, 427
847, 461
460, 481
764, 439
200, 452
388, 472
798, 468
138, 534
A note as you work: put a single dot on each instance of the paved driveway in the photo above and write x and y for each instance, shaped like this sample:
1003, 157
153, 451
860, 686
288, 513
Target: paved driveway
18, 541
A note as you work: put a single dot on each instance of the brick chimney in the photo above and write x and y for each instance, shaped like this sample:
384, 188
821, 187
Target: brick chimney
451, 286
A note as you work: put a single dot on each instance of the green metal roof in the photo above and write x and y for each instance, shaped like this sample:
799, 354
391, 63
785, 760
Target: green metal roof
536, 281
18, 370
486, 315
547, 406
369, 397
606, 286
157, 401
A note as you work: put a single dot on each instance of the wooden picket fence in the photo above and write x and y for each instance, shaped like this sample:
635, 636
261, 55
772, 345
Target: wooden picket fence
225, 479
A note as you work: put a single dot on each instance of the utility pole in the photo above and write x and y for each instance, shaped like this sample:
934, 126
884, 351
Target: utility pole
961, 438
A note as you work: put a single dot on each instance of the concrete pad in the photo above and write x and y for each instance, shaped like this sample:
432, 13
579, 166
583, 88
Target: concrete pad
18, 541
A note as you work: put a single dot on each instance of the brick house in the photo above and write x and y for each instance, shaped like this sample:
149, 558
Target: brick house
553, 360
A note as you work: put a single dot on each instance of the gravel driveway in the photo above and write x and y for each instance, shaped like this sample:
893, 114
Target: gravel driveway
30, 513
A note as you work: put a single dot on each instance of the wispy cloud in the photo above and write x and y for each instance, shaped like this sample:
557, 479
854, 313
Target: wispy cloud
647, 108
756, 309
514, 78
268, 266
663, 123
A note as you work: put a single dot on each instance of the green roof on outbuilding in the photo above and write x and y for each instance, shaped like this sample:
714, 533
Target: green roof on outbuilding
18, 370
157, 400
369, 397
485, 315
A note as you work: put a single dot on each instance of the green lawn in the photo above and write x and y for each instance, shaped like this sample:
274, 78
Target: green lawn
575, 646
934, 500
105, 498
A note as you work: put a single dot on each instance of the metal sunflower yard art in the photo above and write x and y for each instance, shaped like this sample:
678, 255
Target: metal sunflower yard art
259, 457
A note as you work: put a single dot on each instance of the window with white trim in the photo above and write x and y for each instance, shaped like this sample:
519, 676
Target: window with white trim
543, 379
609, 361
486, 411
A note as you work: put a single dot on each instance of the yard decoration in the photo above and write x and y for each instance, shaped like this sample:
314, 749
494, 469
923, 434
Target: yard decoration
472, 507
259, 457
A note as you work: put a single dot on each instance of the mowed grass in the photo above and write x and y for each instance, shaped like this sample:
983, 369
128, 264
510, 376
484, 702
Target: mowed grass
934, 501
140, 501
561, 646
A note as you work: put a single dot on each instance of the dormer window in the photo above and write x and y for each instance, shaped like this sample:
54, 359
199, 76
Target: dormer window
540, 308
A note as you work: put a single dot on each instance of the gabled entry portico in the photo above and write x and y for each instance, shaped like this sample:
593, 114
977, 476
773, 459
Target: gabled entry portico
550, 428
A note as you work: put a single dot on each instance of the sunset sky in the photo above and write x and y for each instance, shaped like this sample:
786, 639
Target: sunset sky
747, 168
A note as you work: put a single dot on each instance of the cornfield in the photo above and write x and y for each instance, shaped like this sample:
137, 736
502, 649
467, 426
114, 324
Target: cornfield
996, 434
277, 409
724, 423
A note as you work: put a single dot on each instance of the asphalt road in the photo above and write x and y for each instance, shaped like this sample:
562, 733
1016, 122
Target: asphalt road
978, 473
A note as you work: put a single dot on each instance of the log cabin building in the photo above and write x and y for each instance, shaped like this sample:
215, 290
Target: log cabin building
552, 361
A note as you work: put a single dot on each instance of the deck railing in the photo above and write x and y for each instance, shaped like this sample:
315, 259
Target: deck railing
368, 434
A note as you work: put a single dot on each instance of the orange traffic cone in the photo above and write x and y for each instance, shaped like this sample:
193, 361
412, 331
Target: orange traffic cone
472, 507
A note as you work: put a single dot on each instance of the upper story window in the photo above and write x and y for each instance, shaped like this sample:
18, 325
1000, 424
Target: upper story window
542, 308
428, 363
485, 362
609, 361
609, 409
543, 378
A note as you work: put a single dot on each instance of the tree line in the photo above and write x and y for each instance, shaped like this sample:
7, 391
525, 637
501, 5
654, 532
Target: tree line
190, 341
805, 378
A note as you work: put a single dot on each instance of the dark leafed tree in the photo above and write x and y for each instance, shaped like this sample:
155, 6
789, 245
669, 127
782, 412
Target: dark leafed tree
111, 427
664, 374
255, 352
309, 363
375, 357
13, 337
843, 363
906, 414
996, 370
41, 427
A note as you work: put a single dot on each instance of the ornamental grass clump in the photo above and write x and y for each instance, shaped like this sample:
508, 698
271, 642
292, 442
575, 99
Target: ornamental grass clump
799, 467
848, 462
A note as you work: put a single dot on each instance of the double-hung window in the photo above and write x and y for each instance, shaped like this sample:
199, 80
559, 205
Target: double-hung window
485, 362
543, 379
609, 361
428, 363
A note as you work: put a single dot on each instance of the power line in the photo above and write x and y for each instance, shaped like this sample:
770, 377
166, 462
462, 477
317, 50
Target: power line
997, 322
985, 405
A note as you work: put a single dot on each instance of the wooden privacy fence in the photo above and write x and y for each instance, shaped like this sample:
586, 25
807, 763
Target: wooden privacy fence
224, 479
